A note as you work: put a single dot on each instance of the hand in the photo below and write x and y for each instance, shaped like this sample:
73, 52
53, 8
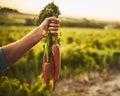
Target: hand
52, 23
16, 50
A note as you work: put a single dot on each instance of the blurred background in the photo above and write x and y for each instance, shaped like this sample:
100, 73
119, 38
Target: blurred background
90, 48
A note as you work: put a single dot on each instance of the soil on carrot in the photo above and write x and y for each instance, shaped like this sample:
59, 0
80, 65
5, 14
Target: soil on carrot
90, 84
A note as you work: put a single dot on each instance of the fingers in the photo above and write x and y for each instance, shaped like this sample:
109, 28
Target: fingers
53, 28
53, 19
54, 32
53, 25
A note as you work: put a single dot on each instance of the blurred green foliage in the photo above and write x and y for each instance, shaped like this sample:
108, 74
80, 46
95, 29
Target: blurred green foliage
13, 87
16, 18
82, 49
49, 10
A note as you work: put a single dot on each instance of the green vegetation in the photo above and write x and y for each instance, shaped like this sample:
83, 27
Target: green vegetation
84, 22
5, 9
10, 16
49, 10
13, 17
82, 49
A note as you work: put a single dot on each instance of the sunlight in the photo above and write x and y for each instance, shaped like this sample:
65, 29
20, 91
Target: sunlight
102, 9
25, 6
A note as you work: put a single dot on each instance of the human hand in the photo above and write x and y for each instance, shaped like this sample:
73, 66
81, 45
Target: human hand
52, 23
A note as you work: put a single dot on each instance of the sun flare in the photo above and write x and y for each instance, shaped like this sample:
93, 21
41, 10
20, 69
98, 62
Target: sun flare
102, 9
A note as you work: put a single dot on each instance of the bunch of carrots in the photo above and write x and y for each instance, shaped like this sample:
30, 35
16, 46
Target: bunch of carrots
51, 55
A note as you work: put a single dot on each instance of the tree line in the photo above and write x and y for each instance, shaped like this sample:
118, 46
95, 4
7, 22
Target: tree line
5, 9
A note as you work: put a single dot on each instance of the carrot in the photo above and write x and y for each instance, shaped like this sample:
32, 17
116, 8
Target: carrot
46, 69
52, 66
53, 71
57, 62
49, 65
46, 73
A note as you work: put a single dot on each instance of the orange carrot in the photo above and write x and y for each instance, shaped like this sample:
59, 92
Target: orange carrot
57, 61
53, 71
52, 66
46, 73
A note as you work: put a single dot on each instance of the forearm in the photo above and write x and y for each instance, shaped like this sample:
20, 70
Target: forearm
16, 50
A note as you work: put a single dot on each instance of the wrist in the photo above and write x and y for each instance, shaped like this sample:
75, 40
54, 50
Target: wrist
40, 32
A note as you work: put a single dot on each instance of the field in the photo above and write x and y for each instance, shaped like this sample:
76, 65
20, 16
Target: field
82, 50
8, 18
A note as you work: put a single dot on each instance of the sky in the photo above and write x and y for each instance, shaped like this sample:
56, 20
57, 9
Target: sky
95, 9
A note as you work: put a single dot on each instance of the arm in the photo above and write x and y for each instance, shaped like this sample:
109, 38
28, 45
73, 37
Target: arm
16, 50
